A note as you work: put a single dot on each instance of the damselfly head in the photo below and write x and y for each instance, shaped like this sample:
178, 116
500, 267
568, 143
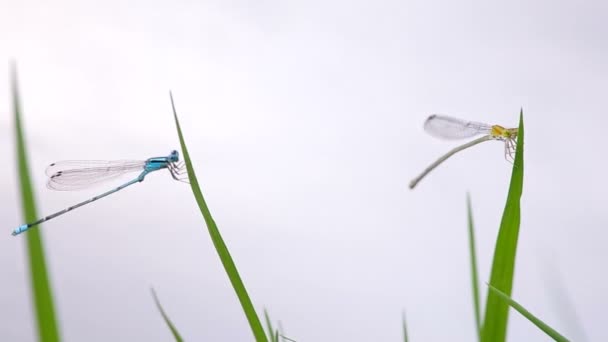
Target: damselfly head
500, 133
174, 157
512, 133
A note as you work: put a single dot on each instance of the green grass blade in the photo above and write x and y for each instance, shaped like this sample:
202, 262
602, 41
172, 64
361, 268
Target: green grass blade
285, 338
218, 242
564, 306
174, 331
494, 327
404, 327
474, 276
540, 324
274, 335
48, 329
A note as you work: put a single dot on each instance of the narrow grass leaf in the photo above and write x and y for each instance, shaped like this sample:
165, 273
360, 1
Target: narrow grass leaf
474, 276
404, 327
495, 322
44, 308
281, 333
274, 335
285, 338
540, 324
174, 331
218, 242
562, 299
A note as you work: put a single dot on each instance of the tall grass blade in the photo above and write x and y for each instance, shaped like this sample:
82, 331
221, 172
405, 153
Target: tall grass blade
540, 324
174, 331
494, 327
274, 334
404, 327
218, 242
474, 276
46, 319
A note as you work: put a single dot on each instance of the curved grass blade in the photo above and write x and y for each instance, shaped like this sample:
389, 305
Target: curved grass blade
46, 319
540, 324
494, 327
174, 331
474, 277
218, 242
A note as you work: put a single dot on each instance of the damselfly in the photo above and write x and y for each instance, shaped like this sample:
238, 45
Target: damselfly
445, 127
76, 175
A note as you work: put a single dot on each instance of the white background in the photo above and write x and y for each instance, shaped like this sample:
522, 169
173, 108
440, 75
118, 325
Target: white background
304, 123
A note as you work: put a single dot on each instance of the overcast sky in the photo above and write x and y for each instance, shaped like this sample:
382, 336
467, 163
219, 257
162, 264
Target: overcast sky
304, 123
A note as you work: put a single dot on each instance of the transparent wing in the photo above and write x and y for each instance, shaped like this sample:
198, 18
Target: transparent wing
446, 127
79, 174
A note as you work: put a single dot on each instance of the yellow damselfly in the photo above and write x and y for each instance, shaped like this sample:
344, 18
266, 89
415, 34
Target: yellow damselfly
445, 127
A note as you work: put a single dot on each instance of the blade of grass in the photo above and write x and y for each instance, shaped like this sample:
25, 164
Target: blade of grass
281, 333
495, 322
561, 298
404, 327
46, 319
174, 331
285, 338
540, 324
274, 335
474, 277
218, 242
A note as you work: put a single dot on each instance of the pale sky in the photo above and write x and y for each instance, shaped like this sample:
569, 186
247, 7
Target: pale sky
304, 123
